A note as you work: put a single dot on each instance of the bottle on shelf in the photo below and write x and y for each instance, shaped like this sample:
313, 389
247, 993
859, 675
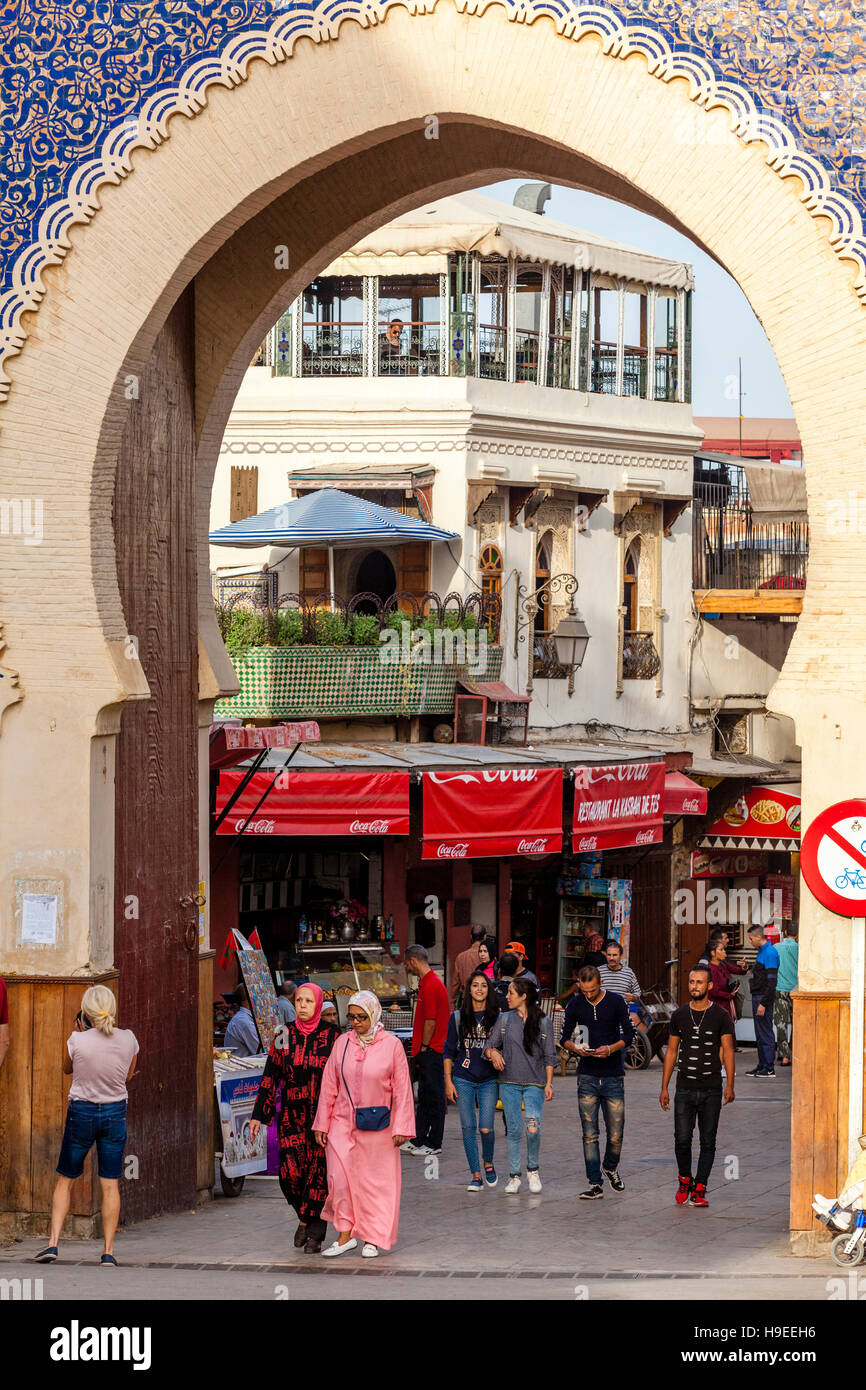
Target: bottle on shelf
389, 928
302, 931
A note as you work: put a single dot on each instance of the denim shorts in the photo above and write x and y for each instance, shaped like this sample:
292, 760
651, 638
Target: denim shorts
87, 1124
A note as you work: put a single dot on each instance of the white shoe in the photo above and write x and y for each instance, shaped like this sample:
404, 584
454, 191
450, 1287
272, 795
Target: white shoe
338, 1249
419, 1150
370, 1251
512, 1186
534, 1181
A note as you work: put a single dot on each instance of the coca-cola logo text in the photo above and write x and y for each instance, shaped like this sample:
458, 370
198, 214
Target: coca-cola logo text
255, 827
452, 851
532, 847
644, 837
691, 805
369, 827
588, 842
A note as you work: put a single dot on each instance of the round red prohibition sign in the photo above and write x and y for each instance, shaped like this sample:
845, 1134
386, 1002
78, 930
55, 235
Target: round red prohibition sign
833, 858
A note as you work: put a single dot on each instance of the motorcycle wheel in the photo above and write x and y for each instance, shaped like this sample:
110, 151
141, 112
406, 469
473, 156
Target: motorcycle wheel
847, 1259
232, 1187
638, 1054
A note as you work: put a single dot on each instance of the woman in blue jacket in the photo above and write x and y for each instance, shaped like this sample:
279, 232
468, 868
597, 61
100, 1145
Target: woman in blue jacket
470, 1078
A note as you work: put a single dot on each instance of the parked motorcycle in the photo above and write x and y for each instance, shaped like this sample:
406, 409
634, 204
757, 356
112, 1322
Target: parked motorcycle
655, 1010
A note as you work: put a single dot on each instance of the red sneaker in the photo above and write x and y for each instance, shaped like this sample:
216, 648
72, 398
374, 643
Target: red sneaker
683, 1191
699, 1196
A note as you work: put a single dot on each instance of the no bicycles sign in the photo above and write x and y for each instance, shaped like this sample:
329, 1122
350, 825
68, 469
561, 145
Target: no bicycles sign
833, 858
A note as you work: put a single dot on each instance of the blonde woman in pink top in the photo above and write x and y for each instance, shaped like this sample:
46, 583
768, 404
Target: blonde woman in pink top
366, 1068
101, 1058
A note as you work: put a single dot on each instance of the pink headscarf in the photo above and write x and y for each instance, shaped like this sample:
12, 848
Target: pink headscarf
311, 1024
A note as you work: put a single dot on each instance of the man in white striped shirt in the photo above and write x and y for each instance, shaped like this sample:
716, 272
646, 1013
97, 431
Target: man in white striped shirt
615, 976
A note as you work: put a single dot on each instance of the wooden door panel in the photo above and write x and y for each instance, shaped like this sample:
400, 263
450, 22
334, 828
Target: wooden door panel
156, 852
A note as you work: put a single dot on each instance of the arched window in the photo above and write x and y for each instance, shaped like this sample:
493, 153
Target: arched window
542, 575
629, 588
491, 588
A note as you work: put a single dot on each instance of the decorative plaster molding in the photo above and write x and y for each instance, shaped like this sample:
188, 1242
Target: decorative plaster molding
390, 445
9, 692
839, 218
614, 459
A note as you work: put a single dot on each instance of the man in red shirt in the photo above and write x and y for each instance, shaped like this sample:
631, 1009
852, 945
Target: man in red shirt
429, 1031
4, 1021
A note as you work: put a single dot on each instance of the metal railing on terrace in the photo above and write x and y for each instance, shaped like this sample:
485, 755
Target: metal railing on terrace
730, 550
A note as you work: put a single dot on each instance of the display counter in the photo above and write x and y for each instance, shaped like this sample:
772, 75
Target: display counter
341, 969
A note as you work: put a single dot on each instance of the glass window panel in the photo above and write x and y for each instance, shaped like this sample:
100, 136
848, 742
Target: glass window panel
605, 323
527, 314
333, 327
635, 344
561, 315
492, 319
666, 337
409, 327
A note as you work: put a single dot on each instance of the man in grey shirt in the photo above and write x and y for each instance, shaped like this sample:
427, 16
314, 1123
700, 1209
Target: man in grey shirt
615, 976
284, 1001
242, 1035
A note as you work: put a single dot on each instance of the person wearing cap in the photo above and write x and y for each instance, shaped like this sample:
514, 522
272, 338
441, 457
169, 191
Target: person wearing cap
466, 963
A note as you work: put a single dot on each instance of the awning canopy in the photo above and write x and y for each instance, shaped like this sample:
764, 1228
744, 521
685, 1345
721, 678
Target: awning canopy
231, 744
683, 797
316, 803
419, 242
328, 518
764, 818
777, 491
478, 815
618, 806
493, 690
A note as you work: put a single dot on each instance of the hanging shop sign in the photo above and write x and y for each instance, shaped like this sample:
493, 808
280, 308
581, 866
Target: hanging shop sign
617, 807
316, 803
706, 865
764, 818
476, 815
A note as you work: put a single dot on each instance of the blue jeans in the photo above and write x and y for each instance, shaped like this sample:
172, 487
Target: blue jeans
765, 1036
87, 1124
533, 1101
605, 1093
486, 1093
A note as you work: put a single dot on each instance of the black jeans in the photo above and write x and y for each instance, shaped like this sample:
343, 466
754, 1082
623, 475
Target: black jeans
430, 1105
705, 1108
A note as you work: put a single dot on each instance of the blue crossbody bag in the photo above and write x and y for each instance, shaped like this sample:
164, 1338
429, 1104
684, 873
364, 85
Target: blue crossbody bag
373, 1117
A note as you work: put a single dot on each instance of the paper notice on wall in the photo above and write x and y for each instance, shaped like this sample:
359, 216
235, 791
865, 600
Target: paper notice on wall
39, 919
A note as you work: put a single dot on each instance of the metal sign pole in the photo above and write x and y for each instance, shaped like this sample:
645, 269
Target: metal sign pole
855, 1045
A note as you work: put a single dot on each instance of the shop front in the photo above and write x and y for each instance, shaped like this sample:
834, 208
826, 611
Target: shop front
311, 865
744, 871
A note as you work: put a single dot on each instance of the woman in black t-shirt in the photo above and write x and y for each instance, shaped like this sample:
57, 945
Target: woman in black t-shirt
470, 1078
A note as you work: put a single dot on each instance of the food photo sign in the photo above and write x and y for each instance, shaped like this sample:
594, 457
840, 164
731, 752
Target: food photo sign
765, 818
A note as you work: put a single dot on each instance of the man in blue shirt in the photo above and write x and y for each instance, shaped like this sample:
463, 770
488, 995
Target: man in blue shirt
604, 1032
783, 1012
763, 988
242, 1035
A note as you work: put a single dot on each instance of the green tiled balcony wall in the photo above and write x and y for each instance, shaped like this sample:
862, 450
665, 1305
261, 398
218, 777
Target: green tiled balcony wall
291, 682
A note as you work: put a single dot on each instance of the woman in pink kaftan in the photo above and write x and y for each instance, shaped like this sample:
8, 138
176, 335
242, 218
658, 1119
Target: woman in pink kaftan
367, 1067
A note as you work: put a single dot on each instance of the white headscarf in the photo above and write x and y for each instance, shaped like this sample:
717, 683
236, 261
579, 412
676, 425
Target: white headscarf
366, 1000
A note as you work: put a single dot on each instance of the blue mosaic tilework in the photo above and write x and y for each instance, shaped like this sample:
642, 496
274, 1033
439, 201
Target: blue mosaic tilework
79, 75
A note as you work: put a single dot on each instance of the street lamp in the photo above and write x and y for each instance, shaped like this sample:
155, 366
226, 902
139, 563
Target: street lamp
570, 637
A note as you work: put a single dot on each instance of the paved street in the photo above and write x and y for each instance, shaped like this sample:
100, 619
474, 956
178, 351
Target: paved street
637, 1245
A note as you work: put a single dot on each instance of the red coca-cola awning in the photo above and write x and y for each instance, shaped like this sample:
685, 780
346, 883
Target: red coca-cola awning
618, 806
476, 815
231, 744
683, 797
317, 803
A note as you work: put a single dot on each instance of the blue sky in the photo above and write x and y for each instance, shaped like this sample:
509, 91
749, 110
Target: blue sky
725, 327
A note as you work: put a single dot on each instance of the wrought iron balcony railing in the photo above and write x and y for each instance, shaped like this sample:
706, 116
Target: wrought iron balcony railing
640, 660
730, 550
545, 664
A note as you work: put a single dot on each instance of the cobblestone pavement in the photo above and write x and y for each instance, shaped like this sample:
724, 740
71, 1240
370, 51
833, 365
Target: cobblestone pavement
635, 1245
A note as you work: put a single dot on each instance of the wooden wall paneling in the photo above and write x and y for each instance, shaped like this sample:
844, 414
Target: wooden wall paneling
313, 572
824, 1153
49, 1091
244, 494
16, 1102
205, 1083
841, 1089
803, 1110
157, 772
85, 1191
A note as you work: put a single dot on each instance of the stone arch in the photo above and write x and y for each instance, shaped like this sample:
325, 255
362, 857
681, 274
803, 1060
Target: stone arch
257, 168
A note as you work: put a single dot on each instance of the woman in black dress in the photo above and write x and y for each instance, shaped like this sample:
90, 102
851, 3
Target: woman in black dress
293, 1076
